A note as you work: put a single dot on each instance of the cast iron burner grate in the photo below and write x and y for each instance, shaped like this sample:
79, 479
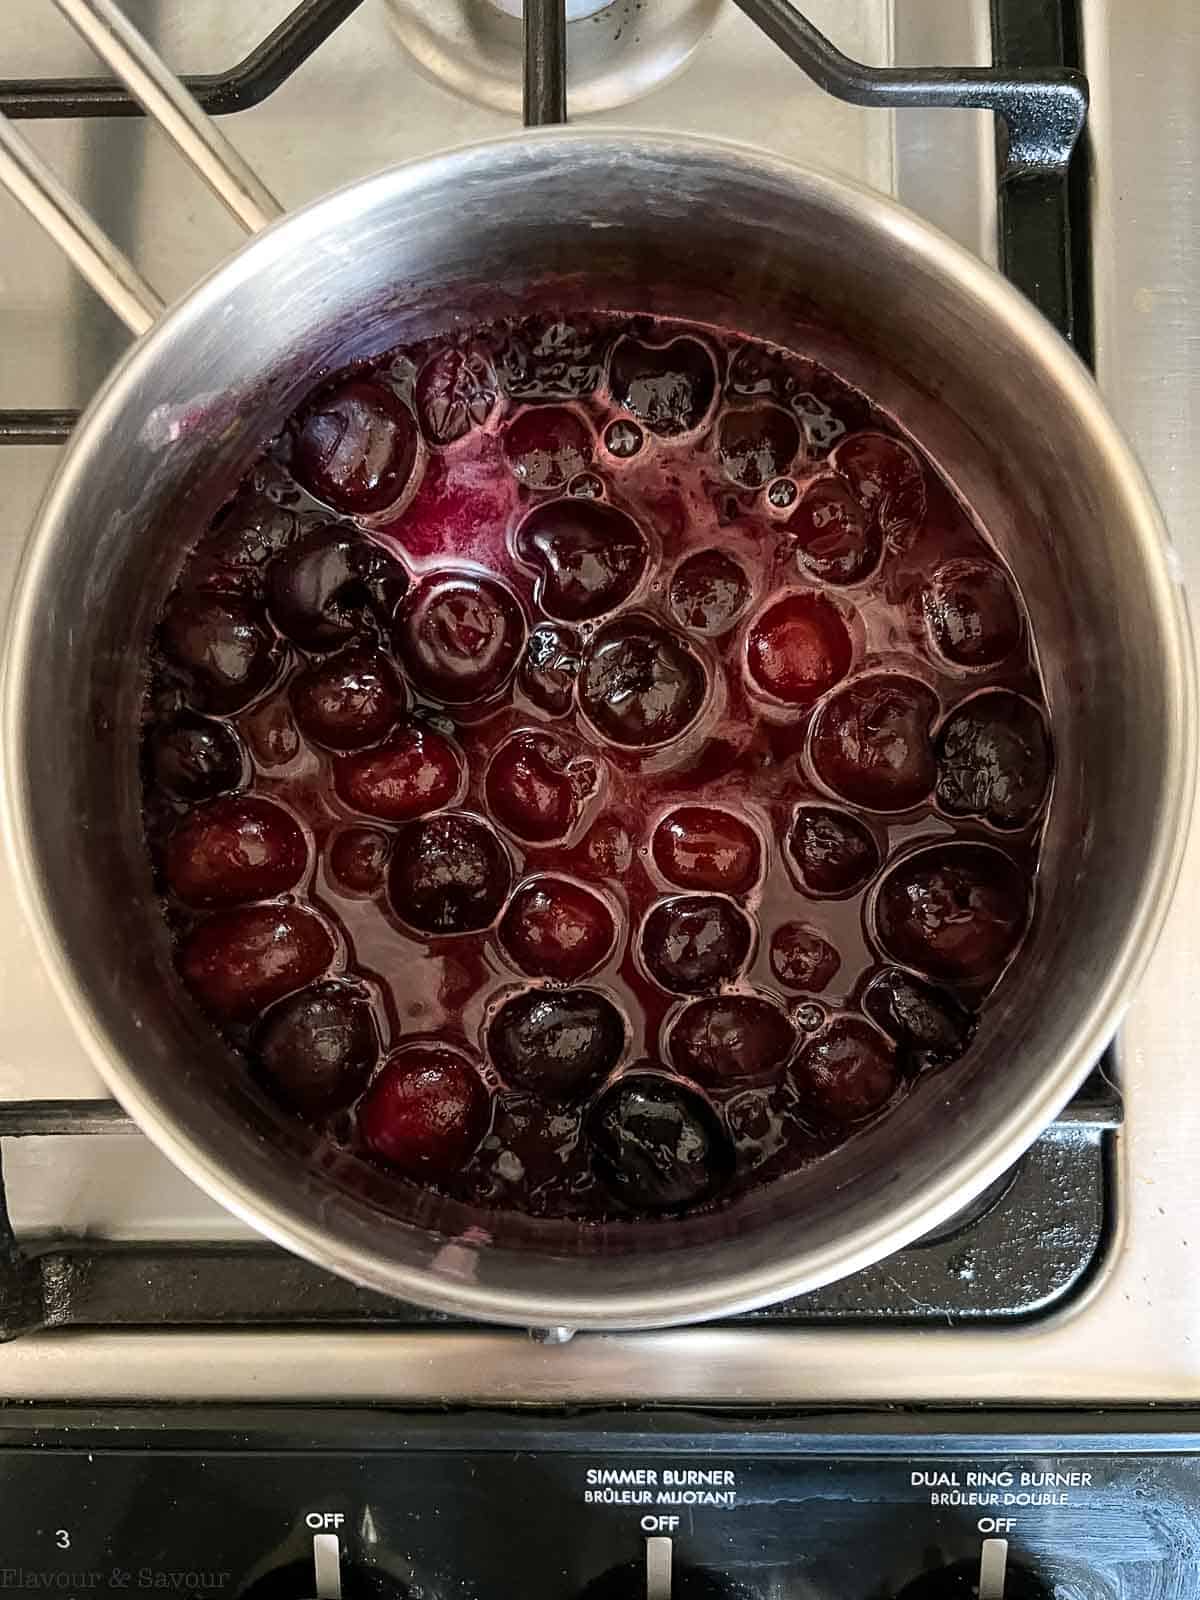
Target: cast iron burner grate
1038, 1236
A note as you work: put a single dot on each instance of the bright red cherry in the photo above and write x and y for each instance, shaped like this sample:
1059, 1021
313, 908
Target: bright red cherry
237, 848
554, 928
414, 772
426, 1111
798, 648
237, 963
704, 847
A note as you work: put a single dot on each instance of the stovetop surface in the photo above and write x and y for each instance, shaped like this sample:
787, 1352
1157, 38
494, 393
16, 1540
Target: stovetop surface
1129, 1333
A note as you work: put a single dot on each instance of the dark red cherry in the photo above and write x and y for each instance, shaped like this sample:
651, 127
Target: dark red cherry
546, 446
239, 962
358, 859
640, 685
247, 534
972, 613
871, 742
834, 853
317, 1047
238, 848
886, 477
709, 592
328, 587
703, 847
426, 1111
449, 874
456, 391
536, 786
348, 701
993, 756
657, 1145
953, 911
757, 443
553, 656
608, 849
798, 648
802, 959
590, 557
668, 387
194, 758
227, 655
355, 447
837, 538
554, 928
846, 1073
731, 1039
693, 943
547, 359
929, 1025
557, 1043
414, 772
460, 636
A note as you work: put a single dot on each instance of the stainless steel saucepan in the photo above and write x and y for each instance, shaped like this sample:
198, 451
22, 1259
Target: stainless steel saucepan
589, 219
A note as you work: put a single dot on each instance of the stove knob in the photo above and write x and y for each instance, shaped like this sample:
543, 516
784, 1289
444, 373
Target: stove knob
327, 1566
658, 1576
992, 1577
658, 1569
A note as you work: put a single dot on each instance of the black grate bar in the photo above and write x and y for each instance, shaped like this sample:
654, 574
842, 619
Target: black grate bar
1043, 108
545, 62
36, 427
248, 83
41, 1118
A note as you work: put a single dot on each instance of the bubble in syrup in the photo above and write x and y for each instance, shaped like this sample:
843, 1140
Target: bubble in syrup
623, 439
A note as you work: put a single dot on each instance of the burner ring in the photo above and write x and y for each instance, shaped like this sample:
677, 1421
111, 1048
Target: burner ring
616, 52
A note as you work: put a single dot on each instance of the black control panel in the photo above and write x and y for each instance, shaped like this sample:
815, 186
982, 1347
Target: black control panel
379, 1505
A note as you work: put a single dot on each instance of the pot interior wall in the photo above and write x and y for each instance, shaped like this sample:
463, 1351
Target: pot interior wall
628, 223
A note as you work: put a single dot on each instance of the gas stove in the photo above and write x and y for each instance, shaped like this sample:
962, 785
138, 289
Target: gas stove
141, 1321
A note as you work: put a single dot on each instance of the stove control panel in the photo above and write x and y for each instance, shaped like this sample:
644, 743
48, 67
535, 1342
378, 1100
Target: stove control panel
197, 1504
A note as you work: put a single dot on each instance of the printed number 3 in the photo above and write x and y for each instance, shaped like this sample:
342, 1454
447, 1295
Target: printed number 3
62, 1538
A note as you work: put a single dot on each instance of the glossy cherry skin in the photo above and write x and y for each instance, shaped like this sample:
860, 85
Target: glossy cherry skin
556, 1043
195, 758
554, 928
886, 477
757, 443
798, 648
589, 556
234, 849
348, 701
239, 962
641, 685
449, 874
667, 387
414, 772
929, 1025
456, 391
953, 911
657, 1144
546, 446
871, 742
332, 585
544, 358
972, 613
709, 591
355, 447
226, 653
833, 852
692, 943
460, 636
801, 959
729, 1040
993, 760
536, 787
705, 847
550, 666
358, 859
317, 1047
836, 538
426, 1111
847, 1073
